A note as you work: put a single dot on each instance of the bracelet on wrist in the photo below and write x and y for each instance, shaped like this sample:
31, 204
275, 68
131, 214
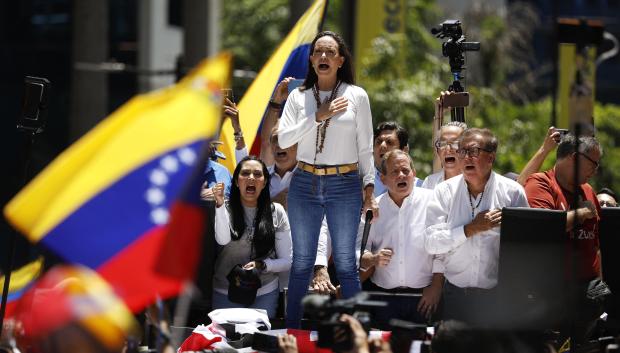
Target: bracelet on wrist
274, 105
238, 135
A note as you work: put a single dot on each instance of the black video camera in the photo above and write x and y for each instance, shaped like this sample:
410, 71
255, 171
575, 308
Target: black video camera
456, 45
409, 337
454, 48
334, 333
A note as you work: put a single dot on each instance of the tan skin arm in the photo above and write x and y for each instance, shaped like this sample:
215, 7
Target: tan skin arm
279, 96
534, 164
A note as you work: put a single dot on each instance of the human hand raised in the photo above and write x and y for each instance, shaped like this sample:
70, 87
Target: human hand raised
230, 110
370, 203
328, 109
281, 92
484, 221
322, 283
287, 344
586, 210
218, 193
383, 257
358, 335
552, 139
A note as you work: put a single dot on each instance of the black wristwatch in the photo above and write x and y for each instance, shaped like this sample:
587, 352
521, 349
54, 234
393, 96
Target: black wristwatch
274, 105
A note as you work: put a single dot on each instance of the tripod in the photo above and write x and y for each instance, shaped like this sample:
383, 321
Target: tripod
30, 123
457, 113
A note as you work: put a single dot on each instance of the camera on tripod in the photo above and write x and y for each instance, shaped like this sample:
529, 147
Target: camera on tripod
332, 332
454, 49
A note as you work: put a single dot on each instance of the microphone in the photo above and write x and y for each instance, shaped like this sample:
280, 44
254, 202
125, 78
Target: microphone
368, 216
365, 235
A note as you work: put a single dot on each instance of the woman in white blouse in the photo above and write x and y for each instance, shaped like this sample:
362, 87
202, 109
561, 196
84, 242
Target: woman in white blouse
253, 232
329, 119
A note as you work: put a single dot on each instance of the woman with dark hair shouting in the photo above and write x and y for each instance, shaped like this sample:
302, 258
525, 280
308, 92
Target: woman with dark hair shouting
330, 120
255, 234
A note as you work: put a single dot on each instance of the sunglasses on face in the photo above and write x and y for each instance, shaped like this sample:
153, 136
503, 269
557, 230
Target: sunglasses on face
328, 53
472, 151
595, 163
444, 145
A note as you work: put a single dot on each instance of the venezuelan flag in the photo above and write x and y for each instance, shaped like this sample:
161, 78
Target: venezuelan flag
75, 296
104, 202
21, 280
290, 59
182, 247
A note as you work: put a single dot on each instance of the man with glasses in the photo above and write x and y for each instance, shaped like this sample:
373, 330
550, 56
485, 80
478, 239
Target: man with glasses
576, 162
607, 198
445, 147
462, 227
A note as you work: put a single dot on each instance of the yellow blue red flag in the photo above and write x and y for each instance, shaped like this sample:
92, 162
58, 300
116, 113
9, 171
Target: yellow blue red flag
105, 201
74, 295
290, 59
21, 280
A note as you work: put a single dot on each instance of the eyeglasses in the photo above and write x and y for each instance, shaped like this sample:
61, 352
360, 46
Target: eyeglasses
443, 145
245, 173
472, 151
596, 164
328, 53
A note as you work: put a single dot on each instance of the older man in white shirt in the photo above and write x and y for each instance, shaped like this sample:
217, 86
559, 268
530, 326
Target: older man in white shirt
395, 246
463, 227
388, 136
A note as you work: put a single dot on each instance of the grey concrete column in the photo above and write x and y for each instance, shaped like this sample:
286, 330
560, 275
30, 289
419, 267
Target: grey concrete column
89, 89
201, 30
159, 44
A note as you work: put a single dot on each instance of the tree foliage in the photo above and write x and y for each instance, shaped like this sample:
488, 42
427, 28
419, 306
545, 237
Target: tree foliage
406, 72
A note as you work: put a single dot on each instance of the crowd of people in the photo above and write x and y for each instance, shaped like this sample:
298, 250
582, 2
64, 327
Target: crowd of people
334, 206
297, 211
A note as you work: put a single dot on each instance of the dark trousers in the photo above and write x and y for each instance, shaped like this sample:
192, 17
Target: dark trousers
581, 316
402, 304
474, 306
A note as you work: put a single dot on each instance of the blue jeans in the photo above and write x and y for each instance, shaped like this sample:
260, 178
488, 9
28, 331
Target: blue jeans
267, 301
310, 198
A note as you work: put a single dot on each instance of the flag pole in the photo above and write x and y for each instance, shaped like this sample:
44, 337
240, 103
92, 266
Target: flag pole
29, 141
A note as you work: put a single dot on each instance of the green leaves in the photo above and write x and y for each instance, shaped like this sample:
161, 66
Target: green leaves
406, 72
